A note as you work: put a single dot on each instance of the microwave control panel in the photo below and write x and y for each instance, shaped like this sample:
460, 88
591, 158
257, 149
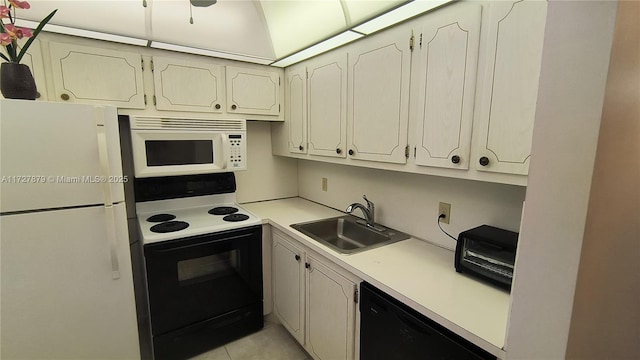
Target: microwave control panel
237, 152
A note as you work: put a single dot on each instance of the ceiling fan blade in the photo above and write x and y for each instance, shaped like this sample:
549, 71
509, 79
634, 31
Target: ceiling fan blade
203, 3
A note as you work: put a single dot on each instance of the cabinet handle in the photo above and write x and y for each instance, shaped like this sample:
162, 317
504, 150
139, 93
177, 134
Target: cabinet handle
338, 151
217, 106
307, 265
300, 147
455, 159
233, 107
351, 152
64, 97
297, 257
484, 161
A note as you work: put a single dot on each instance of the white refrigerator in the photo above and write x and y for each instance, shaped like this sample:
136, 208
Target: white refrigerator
65, 267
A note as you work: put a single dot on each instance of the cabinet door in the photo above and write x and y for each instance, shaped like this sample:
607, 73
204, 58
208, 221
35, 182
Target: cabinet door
509, 87
447, 79
327, 104
187, 86
251, 91
330, 313
33, 59
288, 285
97, 76
379, 96
296, 115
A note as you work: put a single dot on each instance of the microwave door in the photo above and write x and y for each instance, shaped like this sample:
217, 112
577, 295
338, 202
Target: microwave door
161, 153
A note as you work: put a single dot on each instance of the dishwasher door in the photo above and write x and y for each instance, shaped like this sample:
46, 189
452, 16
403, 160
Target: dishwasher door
391, 330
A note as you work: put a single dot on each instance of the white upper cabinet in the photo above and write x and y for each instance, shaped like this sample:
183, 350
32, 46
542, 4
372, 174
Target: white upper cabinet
97, 76
327, 104
295, 92
253, 92
447, 79
508, 85
378, 97
188, 86
33, 59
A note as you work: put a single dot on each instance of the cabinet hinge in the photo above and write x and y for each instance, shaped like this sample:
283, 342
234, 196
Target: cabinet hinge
411, 42
420, 40
152, 68
355, 295
406, 151
142, 63
154, 100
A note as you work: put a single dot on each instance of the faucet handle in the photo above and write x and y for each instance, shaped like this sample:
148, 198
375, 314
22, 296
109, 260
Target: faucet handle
369, 203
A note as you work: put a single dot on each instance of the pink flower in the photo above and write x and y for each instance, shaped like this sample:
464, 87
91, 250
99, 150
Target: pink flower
17, 32
26, 32
20, 4
4, 12
5, 39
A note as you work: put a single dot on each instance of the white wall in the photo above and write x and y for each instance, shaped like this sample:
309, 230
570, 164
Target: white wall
575, 61
267, 177
605, 321
409, 202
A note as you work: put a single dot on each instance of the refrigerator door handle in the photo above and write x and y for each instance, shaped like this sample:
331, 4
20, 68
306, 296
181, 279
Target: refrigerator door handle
106, 188
104, 156
113, 241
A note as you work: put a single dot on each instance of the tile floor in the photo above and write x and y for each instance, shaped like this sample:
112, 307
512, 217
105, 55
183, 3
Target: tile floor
273, 342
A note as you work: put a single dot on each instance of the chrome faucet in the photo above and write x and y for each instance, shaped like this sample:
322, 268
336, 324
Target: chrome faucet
369, 211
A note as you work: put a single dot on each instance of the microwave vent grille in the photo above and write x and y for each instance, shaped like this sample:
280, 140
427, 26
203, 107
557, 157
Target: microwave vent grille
157, 123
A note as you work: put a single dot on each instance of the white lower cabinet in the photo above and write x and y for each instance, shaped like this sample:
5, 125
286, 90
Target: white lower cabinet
288, 285
314, 299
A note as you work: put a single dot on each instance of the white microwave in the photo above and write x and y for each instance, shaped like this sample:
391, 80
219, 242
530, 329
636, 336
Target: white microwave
174, 146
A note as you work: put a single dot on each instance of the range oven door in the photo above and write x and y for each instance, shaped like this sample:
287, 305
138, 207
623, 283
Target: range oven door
195, 279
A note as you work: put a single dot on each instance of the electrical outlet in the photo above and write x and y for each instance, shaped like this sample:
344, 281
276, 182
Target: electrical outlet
324, 184
445, 209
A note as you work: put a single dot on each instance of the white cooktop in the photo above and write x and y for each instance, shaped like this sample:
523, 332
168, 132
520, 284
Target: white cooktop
194, 211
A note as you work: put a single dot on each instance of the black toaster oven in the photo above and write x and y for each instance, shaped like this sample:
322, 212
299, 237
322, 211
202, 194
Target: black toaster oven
488, 253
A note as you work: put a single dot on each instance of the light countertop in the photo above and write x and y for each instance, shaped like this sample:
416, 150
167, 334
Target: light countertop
413, 271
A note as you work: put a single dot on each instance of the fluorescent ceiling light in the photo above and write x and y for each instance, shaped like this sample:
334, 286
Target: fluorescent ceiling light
331, 43
218, 54
83, 33
397, 15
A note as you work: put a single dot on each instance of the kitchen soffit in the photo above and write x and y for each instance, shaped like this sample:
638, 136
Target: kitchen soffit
260, 31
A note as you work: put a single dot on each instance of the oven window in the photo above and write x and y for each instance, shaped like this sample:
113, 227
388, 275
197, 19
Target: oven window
207, 268
178, 152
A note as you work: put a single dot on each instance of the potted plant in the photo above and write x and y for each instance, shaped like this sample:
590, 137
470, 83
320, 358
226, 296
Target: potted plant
16, 81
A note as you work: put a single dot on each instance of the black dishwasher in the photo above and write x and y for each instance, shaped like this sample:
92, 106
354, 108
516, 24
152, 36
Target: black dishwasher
392, 330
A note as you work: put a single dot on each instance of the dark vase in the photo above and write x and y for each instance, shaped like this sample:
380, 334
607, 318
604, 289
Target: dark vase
16, 82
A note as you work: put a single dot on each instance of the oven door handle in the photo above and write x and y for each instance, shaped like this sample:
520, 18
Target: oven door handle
199, 244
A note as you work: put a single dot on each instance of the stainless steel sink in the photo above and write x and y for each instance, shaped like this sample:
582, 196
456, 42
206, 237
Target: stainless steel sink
347, 235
